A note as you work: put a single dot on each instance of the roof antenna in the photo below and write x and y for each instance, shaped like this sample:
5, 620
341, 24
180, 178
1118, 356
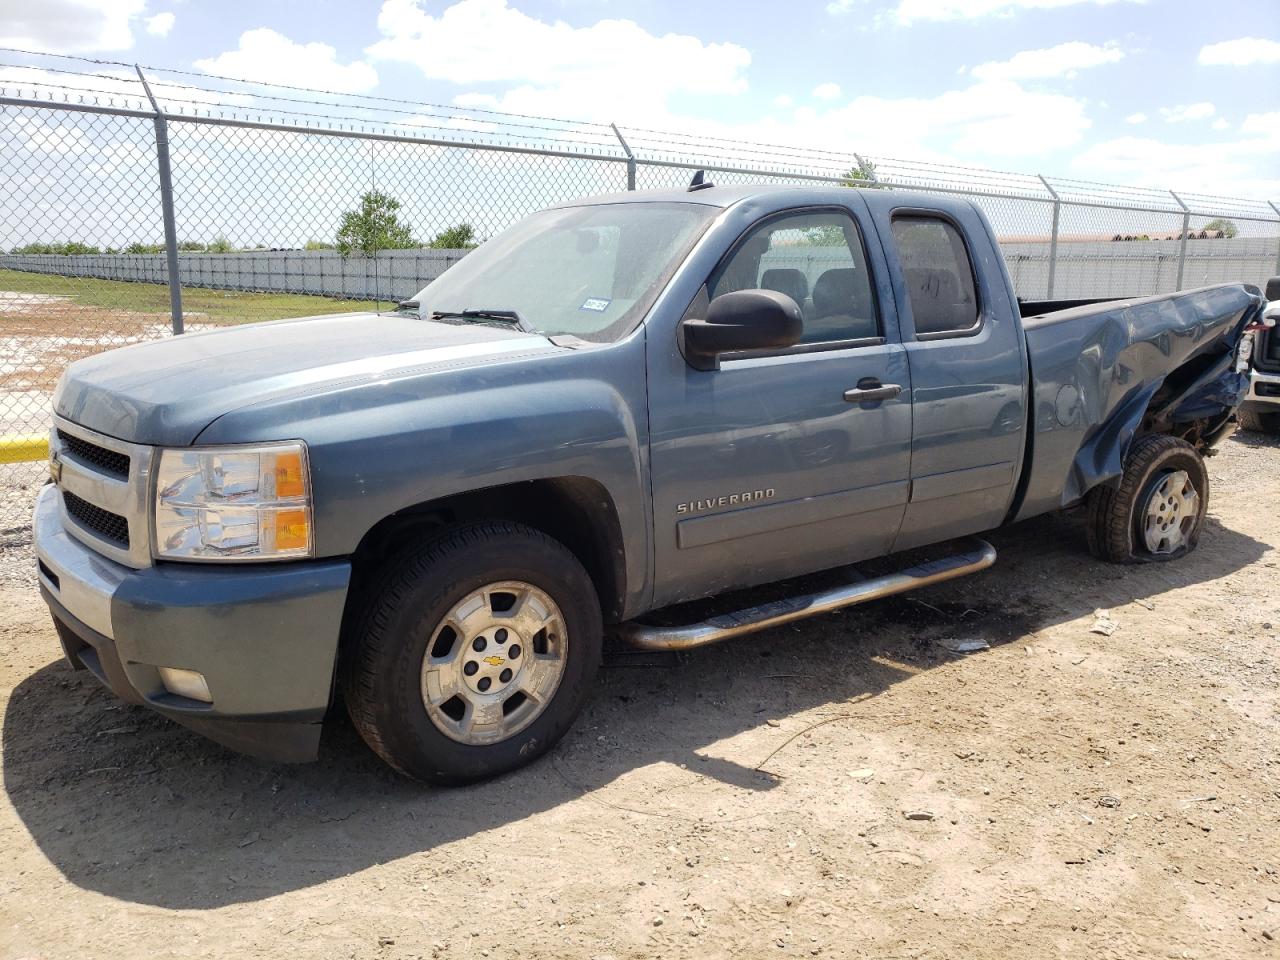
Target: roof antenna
700, 182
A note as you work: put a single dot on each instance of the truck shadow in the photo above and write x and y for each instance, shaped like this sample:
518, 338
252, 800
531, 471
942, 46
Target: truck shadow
132, 806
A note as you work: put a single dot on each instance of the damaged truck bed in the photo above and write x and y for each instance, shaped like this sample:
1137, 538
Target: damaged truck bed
1103, 373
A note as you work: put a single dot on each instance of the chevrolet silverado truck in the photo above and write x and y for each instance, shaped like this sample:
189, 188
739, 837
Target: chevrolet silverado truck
435, 514
1260, 410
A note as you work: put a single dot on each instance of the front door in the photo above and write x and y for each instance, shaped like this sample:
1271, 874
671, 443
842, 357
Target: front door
775, 464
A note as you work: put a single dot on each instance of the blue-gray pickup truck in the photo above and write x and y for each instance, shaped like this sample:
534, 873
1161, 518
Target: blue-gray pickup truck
615, 406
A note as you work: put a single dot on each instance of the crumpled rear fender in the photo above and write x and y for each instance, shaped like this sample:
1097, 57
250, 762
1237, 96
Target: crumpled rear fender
1102, 374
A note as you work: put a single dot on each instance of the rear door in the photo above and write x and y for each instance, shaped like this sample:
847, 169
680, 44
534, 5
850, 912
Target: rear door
965, 349
763, 469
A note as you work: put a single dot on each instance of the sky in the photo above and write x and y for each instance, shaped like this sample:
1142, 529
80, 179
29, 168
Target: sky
1145, 92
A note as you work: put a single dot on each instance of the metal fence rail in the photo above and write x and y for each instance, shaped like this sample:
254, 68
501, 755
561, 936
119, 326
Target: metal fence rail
391, 274
131, 213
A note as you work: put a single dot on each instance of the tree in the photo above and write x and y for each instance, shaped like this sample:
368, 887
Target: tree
317, 245
373, 227
863, 176
1226, 227
460, 237
66, 249
220, 244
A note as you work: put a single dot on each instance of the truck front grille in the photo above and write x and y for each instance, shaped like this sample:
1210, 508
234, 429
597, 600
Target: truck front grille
110, 526
1271, 348
108, 461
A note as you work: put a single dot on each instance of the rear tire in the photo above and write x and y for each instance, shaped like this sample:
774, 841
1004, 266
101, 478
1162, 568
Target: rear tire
1157, 511
1257, 422
419, 686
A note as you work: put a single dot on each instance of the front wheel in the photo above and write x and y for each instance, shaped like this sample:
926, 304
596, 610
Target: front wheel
1257, 422
476, 654
1157, 511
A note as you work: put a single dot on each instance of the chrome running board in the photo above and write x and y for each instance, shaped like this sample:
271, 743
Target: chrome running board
977, 556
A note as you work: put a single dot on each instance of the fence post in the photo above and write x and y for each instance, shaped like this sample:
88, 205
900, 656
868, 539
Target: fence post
1053, 236
862, 166
166, 206
631, 159
1277, 210
1182, 247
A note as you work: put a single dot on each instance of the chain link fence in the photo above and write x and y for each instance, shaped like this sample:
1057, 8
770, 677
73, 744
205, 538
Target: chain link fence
255, 210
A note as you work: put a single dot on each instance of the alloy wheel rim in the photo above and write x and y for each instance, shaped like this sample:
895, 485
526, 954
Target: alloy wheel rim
494, 662
1172, 512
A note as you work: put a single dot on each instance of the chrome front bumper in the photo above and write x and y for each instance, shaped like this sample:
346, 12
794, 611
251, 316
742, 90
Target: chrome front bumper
1264, 390
83, 581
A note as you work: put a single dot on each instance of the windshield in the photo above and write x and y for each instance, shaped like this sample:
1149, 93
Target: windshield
587, 271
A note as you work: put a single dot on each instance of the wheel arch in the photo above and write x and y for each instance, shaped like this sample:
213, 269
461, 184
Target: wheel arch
577, 511
1193, 402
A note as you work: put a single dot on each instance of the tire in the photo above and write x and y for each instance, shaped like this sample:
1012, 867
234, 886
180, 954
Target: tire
1120, 516
1257, 422
406, 656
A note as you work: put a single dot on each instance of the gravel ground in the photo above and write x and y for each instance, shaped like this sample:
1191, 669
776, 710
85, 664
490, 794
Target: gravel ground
843, 787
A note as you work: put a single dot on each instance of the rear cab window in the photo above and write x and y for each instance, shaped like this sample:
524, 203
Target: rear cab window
938, 272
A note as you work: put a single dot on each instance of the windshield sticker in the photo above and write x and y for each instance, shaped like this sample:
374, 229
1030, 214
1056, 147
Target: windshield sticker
597, 304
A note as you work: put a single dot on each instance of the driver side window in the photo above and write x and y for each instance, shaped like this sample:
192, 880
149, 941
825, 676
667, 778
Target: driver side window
816, 259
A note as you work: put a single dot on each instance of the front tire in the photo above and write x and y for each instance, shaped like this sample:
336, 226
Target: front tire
475, 655
1157, 511
1259, 422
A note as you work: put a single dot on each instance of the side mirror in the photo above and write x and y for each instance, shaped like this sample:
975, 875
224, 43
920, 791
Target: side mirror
742, 320
1273, 289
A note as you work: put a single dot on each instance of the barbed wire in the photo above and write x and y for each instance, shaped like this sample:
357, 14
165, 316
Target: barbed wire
342, 111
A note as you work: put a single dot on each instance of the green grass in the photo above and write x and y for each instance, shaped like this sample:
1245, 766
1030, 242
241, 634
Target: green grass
215, 306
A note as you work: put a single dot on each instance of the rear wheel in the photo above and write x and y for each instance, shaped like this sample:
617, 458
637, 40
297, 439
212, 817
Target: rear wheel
476, 654
1259, 422
1157, 511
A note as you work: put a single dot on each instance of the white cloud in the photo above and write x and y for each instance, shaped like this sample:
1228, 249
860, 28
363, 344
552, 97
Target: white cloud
270, 57
160, 24
909, 11
1136, 118
610, 69
1224, 169
1240, 53
827, 91
838, 7
1185, 112
68, 26
1220, 124
990, 120
1263, 125
1060, 61
593, 72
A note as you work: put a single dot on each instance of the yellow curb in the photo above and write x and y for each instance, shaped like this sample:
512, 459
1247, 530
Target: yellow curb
21, 449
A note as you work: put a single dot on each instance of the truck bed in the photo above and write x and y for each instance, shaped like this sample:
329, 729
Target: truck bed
1102, 371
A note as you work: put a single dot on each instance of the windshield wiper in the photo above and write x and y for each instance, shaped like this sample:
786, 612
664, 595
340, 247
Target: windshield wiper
502, 316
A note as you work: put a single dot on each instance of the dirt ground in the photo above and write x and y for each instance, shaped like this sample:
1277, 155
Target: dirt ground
41, 334
1086, 795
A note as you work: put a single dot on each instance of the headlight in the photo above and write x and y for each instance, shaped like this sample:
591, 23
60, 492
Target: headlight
234, 503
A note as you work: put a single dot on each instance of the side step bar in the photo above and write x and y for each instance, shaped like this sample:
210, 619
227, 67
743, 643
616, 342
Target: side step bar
977, 556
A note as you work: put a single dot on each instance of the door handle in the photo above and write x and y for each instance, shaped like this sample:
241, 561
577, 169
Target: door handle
871, 390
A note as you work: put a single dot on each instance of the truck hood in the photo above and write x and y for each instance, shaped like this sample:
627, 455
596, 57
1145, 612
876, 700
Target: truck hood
167, 391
